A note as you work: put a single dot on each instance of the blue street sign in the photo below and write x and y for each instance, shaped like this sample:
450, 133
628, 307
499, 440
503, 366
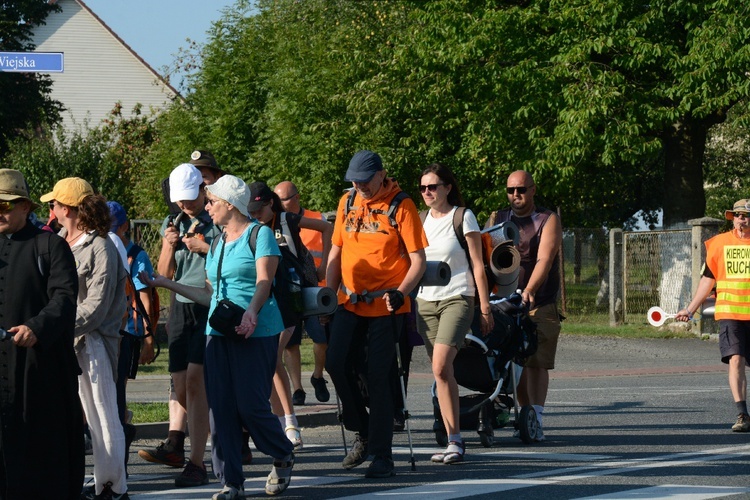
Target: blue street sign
31, 62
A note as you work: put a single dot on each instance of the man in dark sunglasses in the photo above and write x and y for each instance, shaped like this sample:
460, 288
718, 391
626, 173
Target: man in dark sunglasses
39, 380
727, 268
539, 244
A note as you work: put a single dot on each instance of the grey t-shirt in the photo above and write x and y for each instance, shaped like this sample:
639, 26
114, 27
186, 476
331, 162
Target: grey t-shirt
190, 267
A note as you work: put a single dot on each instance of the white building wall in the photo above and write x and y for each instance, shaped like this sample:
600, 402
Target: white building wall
99, 69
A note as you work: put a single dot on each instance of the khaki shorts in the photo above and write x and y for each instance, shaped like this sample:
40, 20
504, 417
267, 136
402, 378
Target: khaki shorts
547, 322
445, 321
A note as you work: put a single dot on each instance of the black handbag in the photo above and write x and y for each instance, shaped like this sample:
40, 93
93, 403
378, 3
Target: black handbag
227, 315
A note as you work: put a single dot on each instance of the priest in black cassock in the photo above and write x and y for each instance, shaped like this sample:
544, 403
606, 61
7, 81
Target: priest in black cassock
41, 421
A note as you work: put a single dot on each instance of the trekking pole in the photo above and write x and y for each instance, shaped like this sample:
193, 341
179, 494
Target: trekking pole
340, 418
403, 391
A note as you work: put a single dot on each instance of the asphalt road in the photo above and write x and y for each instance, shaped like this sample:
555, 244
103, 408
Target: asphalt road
624, 419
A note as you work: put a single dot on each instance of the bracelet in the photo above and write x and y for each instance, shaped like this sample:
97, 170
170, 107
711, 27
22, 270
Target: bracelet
485, 314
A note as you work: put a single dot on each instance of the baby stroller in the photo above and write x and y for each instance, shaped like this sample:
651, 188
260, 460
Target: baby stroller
486, 365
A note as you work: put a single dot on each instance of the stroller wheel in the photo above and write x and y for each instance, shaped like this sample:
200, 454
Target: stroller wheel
527, 424
486, 438
441, 437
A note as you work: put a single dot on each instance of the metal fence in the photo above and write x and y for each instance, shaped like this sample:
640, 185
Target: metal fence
656, 270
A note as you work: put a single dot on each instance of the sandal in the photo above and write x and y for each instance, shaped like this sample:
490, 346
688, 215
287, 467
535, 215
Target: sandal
454, 453
280, 476
294, 435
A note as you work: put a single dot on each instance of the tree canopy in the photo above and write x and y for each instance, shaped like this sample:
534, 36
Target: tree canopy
610, 104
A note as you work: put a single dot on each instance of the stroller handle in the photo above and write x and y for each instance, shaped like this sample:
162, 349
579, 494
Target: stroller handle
478, 341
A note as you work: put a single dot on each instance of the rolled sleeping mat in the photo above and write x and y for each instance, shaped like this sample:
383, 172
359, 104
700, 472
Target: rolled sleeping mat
505, 264
438, 273
319, 300
500, 233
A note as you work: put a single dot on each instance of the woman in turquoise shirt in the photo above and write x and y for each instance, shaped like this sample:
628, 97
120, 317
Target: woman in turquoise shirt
239, 373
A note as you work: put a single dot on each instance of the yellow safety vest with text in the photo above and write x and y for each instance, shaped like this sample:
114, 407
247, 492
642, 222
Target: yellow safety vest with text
728, 258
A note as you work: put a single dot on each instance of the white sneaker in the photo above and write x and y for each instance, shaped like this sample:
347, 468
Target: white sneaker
539, 435
230, 492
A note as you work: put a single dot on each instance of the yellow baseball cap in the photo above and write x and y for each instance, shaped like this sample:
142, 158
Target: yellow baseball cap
69, 191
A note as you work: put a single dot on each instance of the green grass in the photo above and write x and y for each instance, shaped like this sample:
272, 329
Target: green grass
149, 412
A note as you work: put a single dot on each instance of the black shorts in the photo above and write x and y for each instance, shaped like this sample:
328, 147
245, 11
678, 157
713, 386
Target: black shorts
289, 316
734, 339
186, 329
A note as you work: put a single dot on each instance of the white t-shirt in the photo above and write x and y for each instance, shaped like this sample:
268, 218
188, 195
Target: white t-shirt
444, 246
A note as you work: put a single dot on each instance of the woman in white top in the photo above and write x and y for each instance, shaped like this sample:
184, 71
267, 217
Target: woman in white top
445, 313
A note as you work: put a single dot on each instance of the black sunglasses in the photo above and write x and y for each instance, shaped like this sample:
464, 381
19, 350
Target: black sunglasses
741, 215
520, 189
429, 187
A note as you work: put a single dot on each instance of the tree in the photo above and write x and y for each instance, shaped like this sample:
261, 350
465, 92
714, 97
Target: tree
26, 98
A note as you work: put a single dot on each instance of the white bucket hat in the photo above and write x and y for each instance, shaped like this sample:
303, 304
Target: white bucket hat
233, 190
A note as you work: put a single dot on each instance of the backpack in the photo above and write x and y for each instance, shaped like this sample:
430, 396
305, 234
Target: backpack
299, 256
390, 213
151, 317
458, 228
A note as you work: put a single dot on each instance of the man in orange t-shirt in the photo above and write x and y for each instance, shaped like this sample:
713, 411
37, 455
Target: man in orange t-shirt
374, 263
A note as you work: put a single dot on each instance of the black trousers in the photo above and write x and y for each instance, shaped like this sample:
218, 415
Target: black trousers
353, 337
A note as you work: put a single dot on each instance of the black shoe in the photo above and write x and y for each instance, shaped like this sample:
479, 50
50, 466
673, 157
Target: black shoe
399, 422
357, 454
88, 492
298, 398
321, 391
380, 467
192, 475
108, 494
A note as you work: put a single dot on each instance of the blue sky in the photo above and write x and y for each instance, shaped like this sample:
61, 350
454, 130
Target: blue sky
157, 29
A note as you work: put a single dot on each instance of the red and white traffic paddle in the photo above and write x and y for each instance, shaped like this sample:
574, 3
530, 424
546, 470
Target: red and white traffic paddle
657, 317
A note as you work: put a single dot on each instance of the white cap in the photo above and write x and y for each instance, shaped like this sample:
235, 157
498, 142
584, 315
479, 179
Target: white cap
233, 190
184, 183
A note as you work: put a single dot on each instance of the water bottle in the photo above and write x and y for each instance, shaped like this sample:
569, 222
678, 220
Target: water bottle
295, 291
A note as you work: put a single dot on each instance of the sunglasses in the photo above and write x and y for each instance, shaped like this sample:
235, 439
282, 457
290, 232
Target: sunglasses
520, 189
741, 215
7, 206
429, 187
288, 197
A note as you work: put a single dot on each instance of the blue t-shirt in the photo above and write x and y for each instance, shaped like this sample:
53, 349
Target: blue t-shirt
238, 278
141, 262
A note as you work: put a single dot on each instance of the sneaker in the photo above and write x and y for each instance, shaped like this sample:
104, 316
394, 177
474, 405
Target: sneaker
88, 492
108, 494
539, 435
164, 454
294, 435
230, 492
321, 391
742, 424
357, 454
380, 467
192, 475
280, 476
298, 398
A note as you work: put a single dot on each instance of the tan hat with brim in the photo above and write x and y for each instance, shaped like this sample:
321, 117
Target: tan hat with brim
13, 187
740, 206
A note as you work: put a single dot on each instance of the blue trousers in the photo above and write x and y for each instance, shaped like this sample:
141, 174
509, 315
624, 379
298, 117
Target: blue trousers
238, 386
352, 339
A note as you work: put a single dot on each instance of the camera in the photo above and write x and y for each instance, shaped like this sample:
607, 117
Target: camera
5, 334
